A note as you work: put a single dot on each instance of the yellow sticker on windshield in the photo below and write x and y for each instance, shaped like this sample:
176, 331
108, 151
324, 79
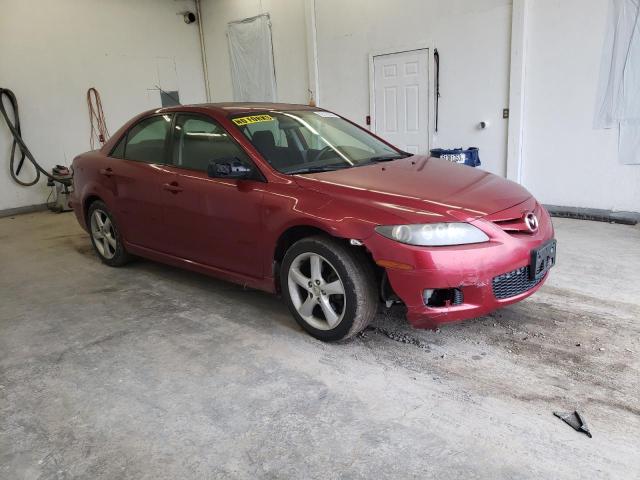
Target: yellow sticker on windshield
252, 119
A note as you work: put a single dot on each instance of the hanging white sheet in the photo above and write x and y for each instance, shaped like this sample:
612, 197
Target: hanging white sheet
251, 52
619, 90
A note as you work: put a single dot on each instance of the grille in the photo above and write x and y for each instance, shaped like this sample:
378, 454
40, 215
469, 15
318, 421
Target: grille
513, 283
513, 226
512, 221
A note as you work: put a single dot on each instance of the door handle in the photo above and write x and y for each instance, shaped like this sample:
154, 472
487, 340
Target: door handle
107, 172
173, 187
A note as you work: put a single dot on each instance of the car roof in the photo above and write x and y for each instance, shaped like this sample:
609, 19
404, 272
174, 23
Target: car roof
225, 109
234, 108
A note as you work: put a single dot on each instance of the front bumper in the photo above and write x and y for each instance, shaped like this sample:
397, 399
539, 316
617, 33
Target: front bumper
469, 268
478, 300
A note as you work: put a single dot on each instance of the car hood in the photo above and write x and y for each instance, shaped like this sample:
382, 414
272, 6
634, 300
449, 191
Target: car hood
414, 186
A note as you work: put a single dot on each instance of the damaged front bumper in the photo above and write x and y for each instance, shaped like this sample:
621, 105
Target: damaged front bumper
477, 298
447, 284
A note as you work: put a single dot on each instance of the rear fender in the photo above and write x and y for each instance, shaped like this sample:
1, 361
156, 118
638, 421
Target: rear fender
93, 189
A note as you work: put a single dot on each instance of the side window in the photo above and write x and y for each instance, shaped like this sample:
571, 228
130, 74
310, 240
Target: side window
198, 140
118, 151
147, 141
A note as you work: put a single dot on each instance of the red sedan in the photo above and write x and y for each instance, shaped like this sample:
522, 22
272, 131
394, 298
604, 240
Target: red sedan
300, 201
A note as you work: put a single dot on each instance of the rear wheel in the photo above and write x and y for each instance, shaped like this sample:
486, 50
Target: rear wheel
329, 288
105, 236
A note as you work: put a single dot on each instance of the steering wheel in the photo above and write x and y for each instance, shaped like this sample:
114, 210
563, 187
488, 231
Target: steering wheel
321, 153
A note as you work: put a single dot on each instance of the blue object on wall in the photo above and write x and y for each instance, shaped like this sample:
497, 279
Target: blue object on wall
469, 156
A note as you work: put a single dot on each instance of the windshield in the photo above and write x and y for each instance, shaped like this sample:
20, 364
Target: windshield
312, 141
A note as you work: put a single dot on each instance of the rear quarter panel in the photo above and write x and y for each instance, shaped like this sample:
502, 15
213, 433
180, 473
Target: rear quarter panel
87, 183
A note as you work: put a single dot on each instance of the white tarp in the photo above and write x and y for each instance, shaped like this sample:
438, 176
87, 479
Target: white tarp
251, 53
619, 91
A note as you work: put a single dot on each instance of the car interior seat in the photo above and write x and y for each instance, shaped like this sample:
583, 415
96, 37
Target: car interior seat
279, 157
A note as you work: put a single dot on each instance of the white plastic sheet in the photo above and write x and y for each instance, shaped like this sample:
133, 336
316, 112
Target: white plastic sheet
251, 53
619, 90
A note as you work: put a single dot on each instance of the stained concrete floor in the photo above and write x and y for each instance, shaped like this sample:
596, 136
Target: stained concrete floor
149, 372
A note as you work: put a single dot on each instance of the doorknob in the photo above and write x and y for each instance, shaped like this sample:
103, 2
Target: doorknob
173, 187
107, 172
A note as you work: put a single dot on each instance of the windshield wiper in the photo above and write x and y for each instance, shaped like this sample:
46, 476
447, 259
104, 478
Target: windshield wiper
388, 158
315, 170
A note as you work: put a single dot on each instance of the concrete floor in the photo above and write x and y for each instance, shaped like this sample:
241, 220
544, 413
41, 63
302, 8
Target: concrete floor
149, 372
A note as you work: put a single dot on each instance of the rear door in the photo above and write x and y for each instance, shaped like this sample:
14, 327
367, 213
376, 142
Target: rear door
142, 181
213, 221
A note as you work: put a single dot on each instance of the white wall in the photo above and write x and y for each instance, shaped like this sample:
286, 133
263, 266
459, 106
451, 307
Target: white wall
52, 52
472, 37
288, 37
566, 161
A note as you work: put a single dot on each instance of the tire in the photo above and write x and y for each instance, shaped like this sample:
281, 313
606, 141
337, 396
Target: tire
328, 316
106, 238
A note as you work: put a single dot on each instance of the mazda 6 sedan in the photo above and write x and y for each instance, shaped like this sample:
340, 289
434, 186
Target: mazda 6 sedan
299, 201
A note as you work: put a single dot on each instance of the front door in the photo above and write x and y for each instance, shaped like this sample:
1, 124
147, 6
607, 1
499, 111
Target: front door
401, 105
213, 221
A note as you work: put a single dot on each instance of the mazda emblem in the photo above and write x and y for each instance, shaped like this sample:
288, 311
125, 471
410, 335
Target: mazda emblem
531, 221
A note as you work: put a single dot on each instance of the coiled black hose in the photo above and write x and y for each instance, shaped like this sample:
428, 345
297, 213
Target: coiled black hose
18, 146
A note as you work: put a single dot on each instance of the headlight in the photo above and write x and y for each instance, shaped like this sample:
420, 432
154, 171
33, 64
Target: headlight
434, 234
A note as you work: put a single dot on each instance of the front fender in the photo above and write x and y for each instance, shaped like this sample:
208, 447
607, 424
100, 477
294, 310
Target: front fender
288, 205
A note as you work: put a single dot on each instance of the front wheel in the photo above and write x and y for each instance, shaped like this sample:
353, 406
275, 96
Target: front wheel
329, 287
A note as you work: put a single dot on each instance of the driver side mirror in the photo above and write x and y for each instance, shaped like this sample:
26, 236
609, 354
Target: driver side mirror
228, 168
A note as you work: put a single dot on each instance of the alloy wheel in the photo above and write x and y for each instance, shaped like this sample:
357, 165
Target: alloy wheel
316, 291
103, 233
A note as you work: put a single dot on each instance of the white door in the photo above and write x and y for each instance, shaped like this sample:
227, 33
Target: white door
401, 100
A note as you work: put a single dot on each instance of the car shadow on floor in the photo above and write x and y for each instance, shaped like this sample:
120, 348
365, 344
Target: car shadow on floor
267, 306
